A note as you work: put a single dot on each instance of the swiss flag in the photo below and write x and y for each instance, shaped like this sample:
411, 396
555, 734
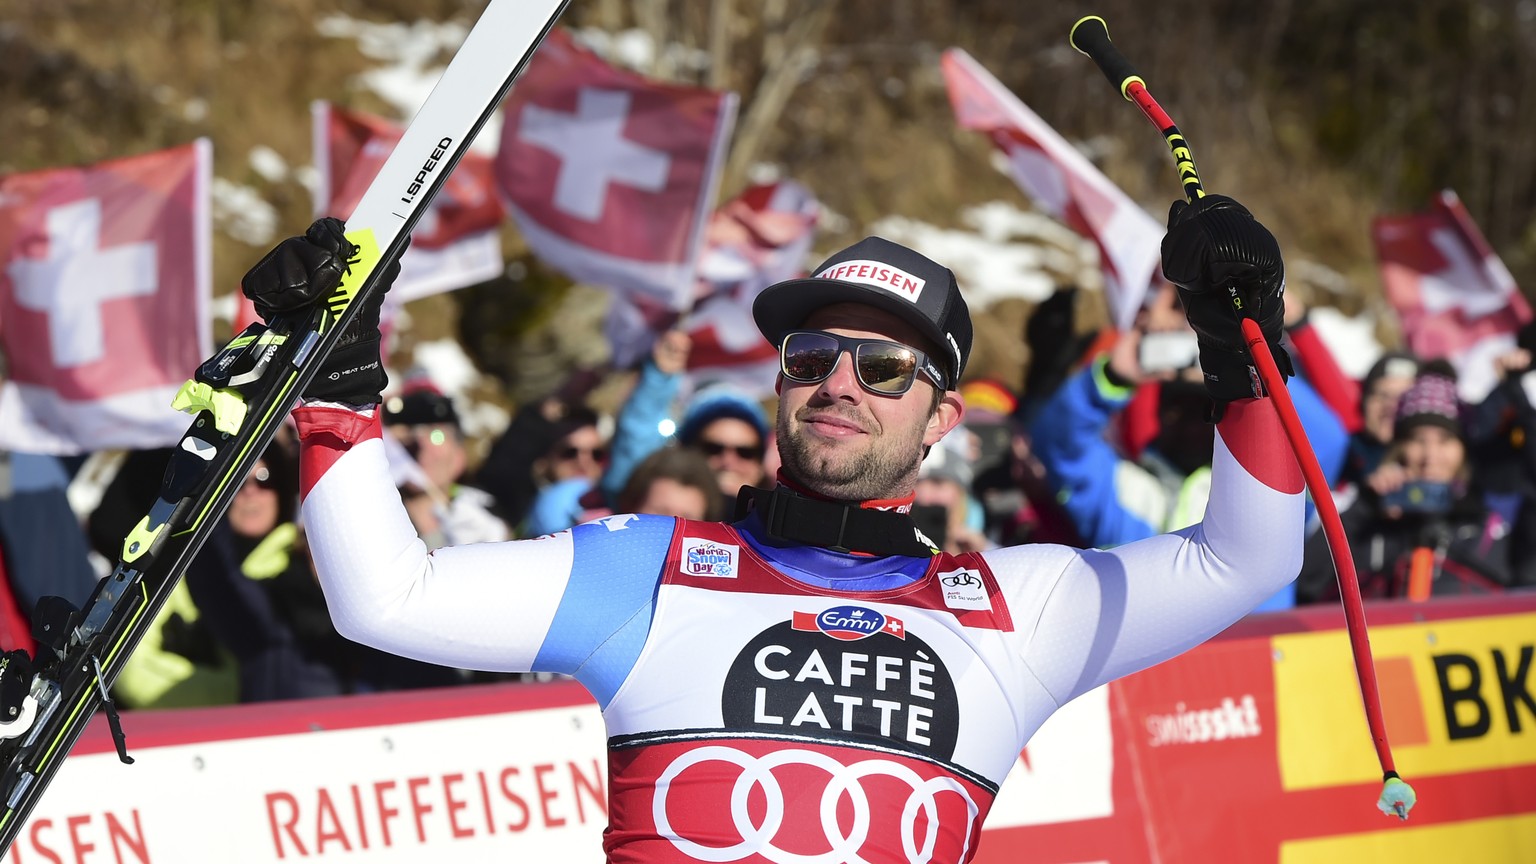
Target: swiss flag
758, 238
103, 300
609, 174
1062, 183
754, 240
1454, 297
457, 242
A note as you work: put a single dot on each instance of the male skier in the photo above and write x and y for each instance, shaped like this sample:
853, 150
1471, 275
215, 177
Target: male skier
813, 681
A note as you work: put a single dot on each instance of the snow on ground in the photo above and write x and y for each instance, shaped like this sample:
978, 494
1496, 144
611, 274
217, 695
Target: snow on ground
243, 214
411, 58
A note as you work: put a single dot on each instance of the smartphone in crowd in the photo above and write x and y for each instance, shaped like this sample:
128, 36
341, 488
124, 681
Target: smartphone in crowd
1421, 496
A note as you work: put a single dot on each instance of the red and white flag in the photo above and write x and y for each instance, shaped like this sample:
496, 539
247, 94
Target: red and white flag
103, 300
758, 238
1454, 297
754, 240
1062, 182
457, 242
610, 174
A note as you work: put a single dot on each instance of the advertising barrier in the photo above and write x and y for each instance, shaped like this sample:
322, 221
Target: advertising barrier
1251, 748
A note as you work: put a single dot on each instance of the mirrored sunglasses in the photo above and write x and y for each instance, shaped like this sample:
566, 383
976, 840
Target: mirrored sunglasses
882, 367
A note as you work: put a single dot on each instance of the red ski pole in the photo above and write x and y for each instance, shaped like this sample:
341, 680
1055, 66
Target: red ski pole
1090, 35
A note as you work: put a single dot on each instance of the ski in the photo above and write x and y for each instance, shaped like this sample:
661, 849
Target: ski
238, 398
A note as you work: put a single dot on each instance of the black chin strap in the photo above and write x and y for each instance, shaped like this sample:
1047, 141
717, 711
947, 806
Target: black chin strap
836, 525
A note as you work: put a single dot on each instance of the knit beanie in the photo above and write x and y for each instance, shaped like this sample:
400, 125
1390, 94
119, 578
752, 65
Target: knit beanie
719, 400
1430, 401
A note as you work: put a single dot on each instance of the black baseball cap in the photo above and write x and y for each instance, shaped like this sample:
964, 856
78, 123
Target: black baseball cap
420, 407
883, 274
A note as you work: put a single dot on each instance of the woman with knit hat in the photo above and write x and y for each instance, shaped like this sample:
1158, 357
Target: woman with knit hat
1418, 527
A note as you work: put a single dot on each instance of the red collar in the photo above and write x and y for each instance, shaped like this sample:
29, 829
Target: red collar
899, 505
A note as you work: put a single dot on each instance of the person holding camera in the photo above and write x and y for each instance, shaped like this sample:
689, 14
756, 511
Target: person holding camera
1419, 527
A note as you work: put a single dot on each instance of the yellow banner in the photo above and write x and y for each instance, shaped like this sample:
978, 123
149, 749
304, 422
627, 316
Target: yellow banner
1509, 838
1457, 695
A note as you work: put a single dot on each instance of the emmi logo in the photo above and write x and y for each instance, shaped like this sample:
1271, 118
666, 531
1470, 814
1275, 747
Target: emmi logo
1469, 713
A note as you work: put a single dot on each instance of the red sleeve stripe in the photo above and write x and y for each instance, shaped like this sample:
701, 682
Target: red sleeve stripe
1252, 432
324, 435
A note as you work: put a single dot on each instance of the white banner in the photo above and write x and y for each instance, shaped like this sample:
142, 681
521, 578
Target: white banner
517, 785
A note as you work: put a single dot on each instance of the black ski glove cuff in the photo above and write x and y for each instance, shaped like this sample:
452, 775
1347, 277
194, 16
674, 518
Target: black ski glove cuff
353, 373
1227, 266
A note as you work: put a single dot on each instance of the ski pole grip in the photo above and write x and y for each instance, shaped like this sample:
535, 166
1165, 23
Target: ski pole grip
1090, 35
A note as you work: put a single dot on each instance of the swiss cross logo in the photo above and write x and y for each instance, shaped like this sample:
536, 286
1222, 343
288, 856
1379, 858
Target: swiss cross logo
593, 152
607, 173
76, 277
104, 281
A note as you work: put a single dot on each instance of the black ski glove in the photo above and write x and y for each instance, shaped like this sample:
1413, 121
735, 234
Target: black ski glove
303, 271
1227, 267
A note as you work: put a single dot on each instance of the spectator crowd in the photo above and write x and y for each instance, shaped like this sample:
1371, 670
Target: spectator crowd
1108, 442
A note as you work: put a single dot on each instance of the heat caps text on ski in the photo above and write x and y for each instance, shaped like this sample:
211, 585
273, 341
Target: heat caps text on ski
834, 673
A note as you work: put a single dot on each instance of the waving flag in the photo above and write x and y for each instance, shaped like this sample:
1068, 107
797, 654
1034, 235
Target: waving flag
758, 238
610, 174
456, 244
761, 237
103, 300
1061, 182
1453, 295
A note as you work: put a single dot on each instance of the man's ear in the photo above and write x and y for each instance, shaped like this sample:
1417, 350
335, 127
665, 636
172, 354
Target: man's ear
946, 416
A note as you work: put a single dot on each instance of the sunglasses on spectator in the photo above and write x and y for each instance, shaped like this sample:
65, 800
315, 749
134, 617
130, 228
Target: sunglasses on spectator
749, 452
883, 368
261, 477
570, 454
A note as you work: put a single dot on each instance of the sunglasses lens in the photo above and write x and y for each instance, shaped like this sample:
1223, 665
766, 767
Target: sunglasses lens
886, 368
570, 454
742, 451
261, 478
808, 357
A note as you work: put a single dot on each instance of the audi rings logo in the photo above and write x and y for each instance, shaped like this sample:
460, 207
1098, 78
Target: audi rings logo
965, 589
845, 782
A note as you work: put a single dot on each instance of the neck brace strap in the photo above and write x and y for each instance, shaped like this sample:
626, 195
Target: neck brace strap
836, 525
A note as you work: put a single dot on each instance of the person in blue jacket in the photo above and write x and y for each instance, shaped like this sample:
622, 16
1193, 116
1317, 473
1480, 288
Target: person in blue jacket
1113, 500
